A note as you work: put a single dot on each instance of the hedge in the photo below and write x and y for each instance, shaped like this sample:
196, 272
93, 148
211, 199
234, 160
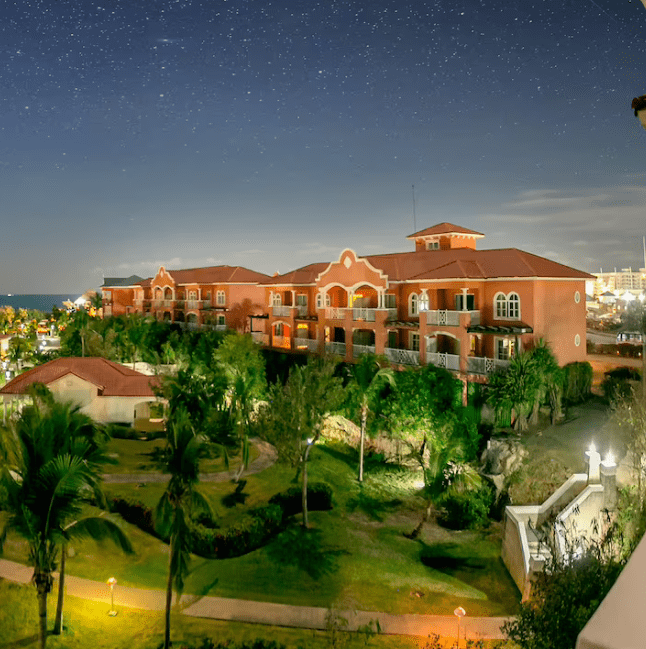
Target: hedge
252, 531
577, 383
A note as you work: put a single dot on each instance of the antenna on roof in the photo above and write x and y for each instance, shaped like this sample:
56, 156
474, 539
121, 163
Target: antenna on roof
415, 217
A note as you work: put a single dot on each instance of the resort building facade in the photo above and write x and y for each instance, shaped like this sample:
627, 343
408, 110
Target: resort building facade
446, 303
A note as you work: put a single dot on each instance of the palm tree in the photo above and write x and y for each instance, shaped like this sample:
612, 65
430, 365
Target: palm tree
183, 451
46, 474
369, 380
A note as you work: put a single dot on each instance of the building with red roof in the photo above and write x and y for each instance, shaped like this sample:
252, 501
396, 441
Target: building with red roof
104, 390
446, 303
220, 296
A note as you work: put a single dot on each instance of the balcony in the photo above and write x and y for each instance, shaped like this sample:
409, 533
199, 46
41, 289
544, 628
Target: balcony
402, 356
363, 313
220, 327
334, 313
447, 318
359, 350
260, 337
301, 310
157, 303
447, 361
335, 348
193, 304
282, 342
306, 343
483, 365
391, 314
168, 302
283, 311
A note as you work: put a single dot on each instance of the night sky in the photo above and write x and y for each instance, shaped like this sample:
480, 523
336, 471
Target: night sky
272, 134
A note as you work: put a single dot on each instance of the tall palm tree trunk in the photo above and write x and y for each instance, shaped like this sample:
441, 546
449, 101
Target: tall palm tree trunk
169, 598
58, 620
364, 418
304, 492
418, 530
42, 588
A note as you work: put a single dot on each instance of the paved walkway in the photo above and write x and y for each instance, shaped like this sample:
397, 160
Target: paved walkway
267, 456
239, 610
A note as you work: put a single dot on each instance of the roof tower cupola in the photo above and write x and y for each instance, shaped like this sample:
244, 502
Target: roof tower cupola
445, 236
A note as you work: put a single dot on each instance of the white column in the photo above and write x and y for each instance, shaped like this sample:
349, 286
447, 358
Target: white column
464, 299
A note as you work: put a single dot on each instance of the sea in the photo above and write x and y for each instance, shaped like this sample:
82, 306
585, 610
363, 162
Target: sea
40, 302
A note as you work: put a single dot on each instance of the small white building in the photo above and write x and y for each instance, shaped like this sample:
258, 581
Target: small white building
105, 391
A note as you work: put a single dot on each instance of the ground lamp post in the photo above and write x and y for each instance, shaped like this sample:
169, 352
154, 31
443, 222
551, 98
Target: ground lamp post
112, 581
459, 613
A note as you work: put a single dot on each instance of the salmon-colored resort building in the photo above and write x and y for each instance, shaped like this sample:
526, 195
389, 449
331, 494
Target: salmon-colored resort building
445, 303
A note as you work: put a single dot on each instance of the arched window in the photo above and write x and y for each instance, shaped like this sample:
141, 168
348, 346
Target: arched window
413, 304
278, 329
192, 295
513, 306
220, 298
276, 300
423, 303
500, 305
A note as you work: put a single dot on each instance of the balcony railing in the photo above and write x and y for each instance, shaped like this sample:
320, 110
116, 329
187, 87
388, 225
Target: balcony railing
260, 337
334, 313
483, 365
283, 342
358, 350
447, 361
301, 310
169, 302
363, 313
306, 343
193, 304
402, 356
158, 303
284, 311
335, 348
220, 327
391, 314
448, 318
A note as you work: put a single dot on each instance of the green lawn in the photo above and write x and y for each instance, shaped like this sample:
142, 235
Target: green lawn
355, 556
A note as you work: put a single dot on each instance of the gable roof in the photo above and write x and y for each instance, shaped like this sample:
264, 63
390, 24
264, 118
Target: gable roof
217, 275
445, 228
305, 275
121, 281
112, 379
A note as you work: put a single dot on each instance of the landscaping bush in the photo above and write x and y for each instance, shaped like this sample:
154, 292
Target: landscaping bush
135, 513
618, 383
319, 498
466, 510
250, 533
122, 431
258, 643
577, 382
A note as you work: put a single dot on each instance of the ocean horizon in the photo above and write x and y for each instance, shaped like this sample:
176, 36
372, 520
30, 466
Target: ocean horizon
40, 302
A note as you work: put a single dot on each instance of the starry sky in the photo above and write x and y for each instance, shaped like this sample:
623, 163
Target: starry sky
275, 133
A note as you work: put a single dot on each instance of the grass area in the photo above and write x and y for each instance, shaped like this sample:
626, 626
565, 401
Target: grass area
86, 624
139, 456
354, 557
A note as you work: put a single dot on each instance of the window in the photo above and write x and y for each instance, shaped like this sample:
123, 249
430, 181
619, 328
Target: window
432, 245
278, 329
301, 300
577, 340
506, 306
390, 301
459, 302
577, 297
504, 349
414, 341
221, 321
107, 295
220, 298
413, 304
276, 300
192, 295
423, 303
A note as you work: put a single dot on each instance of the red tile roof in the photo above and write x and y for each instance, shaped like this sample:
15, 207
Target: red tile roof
113, 379
305, 275
217, 275
444, 228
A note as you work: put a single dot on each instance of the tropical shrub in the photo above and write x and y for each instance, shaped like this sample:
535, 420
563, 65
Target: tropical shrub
465, 509
577, 382
618, 383
319, 498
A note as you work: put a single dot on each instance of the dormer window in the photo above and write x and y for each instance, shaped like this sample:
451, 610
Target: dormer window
432, 245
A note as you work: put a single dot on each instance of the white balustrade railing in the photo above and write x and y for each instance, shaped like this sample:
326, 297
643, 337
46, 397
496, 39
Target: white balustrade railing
483, 365
363, 313
402, 356
334, 313
220, 327
260, 337
284, 311
443, 318
158, 303
284, 342
391, 314
168, 302
335, 348
358, 350
448, 361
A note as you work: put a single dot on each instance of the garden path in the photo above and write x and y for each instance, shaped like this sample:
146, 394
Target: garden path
305, 617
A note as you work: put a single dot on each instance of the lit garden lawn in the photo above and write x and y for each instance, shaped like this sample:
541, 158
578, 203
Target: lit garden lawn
354, 557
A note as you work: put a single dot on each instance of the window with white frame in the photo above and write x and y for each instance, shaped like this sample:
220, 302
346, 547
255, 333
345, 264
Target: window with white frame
390, 301
504, 348
221, 321
413, 304
301, 300
106, 295
220, 298
432, 245
192, 295
414, 341
278, 329
276, 300
507, 306
423, 303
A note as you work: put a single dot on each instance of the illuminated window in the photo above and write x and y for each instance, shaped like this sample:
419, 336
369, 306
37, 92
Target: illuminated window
423, 303
278, 329
276, 300
504, 349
